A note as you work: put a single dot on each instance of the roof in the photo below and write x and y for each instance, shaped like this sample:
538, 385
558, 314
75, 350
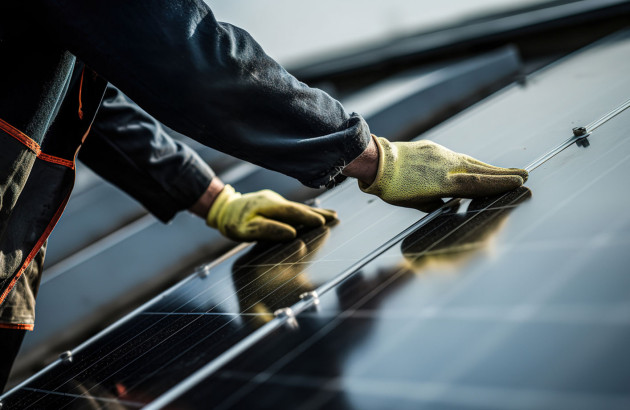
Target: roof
516, 301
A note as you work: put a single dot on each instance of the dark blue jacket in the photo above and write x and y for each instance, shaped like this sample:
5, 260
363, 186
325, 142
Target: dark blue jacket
208, 80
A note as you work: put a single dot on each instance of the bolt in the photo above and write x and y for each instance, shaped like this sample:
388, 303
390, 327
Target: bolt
287, 313
282, 313
203, 271
310, 296
579, 131
66, 356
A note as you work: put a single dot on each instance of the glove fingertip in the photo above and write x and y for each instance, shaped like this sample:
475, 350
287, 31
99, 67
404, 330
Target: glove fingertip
269, 230
285, 235
506, 182
278, 231
519, 181
523, 174
328, 214
313, 220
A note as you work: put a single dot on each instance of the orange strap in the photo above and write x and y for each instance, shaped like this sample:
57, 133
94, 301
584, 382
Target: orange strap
81, 89
35, 249
33, 146
17, 326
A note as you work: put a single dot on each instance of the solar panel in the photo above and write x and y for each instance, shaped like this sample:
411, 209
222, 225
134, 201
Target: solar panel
102, 274
514, 302
517, 301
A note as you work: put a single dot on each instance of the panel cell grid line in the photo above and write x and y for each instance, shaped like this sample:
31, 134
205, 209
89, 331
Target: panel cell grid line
450, 267
564, 202
358, 345
151, 352
603, 52
459, 83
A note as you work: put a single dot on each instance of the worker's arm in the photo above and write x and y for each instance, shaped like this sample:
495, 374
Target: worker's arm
412, 174
130, 149
212, 82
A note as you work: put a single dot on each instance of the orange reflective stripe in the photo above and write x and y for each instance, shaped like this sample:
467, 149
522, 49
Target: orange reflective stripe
17, 326
20, 136
56, 160
36, 248
33, 146
81, 89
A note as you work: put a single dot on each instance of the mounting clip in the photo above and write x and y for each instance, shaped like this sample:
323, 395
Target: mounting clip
311, 296
203, 271
66, 357
582, 136
288, 315
579, 131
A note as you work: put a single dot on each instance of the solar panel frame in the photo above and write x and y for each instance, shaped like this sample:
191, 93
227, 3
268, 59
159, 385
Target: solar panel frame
482, 337
546, 157
457, 82
350, 197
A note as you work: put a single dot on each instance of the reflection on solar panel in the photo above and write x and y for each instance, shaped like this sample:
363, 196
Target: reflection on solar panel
517, 301
104, 267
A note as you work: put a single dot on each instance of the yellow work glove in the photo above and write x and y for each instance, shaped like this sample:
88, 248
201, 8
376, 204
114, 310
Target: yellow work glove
262, 215
416, 174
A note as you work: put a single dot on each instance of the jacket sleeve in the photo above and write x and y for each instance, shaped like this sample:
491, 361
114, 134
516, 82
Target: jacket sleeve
212, 82
129, 148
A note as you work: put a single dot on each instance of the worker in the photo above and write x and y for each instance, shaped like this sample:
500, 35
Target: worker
206, 79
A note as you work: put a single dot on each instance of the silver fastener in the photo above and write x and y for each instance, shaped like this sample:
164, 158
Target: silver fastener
203, 271
66, 356
288, 315
311, 296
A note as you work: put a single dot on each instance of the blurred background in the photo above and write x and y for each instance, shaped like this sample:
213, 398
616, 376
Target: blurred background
297, 35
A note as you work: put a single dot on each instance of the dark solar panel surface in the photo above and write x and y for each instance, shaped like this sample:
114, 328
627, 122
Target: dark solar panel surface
98, 278
512, 302
517, 301
201, 319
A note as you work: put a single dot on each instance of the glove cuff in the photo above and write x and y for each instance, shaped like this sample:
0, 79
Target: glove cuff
386, 155
227, 195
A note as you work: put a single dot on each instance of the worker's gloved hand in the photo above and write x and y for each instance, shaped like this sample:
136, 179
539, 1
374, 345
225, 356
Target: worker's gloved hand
417, 174
262, 215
